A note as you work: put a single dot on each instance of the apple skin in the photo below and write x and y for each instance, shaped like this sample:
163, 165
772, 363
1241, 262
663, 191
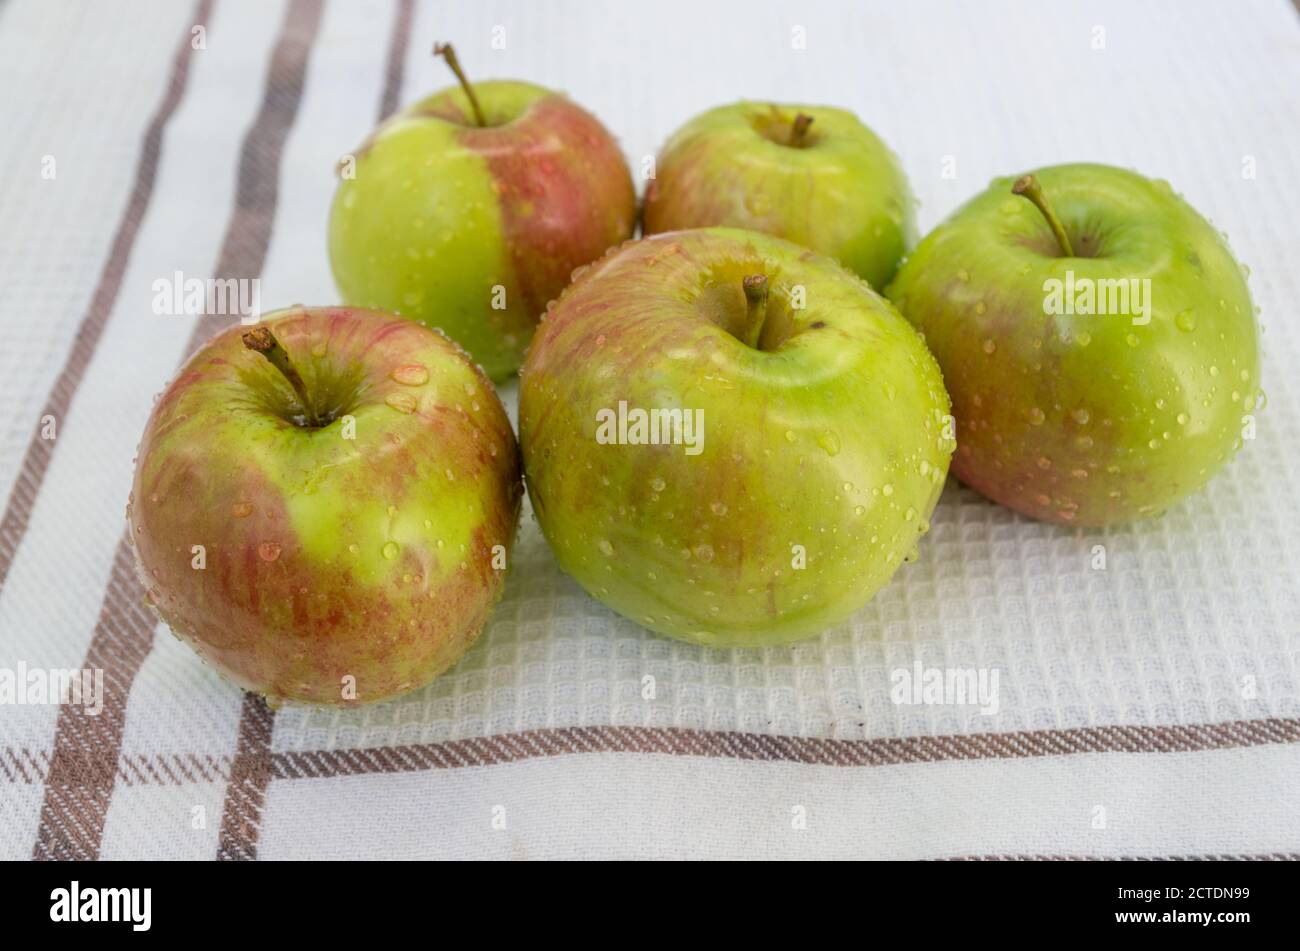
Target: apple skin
441, 212
326, 556
833, 440
1086, 419
843, 194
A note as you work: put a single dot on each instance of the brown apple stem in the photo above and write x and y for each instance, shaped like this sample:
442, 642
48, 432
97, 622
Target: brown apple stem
799, 131
446, 52
755, 286
262, 341
1027, 187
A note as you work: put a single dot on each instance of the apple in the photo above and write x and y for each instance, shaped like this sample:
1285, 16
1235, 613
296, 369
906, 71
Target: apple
814, 175
469, 210
730, 439
323, 505
1098, 341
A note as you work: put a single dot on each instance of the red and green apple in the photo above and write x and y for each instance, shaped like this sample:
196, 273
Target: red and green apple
730, 439
1097, 338
814, 175
324, 505
469, 210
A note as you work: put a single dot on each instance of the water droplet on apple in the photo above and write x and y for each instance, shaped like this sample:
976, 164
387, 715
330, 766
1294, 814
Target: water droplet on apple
268, 551
718, 508
887, 489
990, 346
703, 552
1080, 416
411, 374
658, 484
1185, 321
1132, 340
830, 442
1214, 371
402, 402
241, 509
1036, 416
605, 547
1083, 338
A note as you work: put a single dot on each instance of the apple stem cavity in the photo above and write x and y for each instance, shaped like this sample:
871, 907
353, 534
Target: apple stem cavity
261, 340
755, 286
446, 51
799, 131
1027, 187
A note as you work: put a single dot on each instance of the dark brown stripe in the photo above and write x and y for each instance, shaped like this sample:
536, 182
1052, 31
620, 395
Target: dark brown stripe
83, 768
396, 70
36, 461
250, 774
242, 812
21, 765
539, 744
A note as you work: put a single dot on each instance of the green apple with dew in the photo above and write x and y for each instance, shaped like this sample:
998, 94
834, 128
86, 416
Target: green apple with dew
1097, 338
323, 505
814, 175
797, 453
469, 210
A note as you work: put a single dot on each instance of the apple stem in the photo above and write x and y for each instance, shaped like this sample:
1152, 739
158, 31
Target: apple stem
261, 340
446, 52
1027, 187
799, 130
755, 286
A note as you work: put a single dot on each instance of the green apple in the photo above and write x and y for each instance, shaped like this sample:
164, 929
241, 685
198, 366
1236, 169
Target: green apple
729, 438
814, 175
469, 210
329, 524
1098, 341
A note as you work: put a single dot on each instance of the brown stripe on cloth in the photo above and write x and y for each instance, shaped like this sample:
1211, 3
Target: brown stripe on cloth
396, 67
36, 461
22, 765
250, 773
86, 749
539, 744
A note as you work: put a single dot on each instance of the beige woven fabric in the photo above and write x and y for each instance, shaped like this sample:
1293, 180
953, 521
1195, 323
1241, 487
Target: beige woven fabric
1150, 709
